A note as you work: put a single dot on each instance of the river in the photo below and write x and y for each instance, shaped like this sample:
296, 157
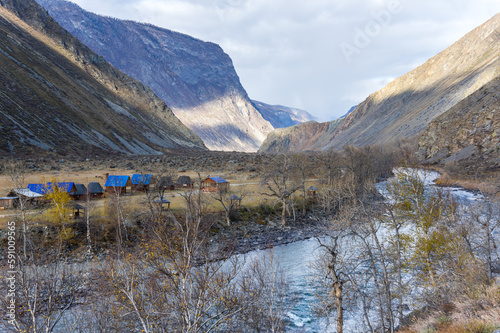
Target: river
296, 258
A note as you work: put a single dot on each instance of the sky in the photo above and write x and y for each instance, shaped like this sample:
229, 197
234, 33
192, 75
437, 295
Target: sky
322, 56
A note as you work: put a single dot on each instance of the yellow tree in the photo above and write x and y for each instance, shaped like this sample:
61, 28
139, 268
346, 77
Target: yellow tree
60, 209
439, 254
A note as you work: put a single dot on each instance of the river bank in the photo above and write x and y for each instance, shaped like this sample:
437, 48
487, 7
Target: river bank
251, 236
487, 184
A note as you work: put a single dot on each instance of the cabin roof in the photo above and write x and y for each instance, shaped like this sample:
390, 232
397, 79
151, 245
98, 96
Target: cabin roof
184, 180
117, 181
218, 180
67, 187
165, 182
141, 179
95, 187
26, 192
80, 189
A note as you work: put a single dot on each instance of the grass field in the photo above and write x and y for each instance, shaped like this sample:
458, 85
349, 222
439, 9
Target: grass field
243, 184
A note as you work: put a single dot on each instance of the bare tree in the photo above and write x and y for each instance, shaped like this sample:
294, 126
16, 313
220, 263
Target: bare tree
17, 172
229, 201
332, 299
45, 290
90, 206
330, 170
277, 179
303, 171
115, 209
164, 181
266, 295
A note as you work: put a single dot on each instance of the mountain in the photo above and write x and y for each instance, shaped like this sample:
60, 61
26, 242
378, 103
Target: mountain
468, 134
56, 95
405, 107
195, 78
310, 136
282, 116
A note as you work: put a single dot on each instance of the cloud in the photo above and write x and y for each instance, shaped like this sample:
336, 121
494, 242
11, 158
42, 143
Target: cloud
290, 52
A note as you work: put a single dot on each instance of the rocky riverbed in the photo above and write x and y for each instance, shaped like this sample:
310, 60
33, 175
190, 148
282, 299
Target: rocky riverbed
250, 236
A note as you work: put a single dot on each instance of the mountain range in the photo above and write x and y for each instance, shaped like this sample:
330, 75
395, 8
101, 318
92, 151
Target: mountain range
406, 106
195, 78
62, 96
58, 96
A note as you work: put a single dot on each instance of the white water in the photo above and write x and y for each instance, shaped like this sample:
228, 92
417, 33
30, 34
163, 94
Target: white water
295, 259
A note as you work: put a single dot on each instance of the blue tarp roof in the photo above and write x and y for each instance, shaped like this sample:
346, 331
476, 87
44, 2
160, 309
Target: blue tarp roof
47, 188
218, 180
117, 181
141, 179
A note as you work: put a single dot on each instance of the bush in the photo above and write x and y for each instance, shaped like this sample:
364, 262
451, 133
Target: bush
479, 326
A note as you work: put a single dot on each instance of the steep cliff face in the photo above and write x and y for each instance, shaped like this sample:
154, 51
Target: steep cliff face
468, 133
282, 116
195, 78
57, 95
407, 105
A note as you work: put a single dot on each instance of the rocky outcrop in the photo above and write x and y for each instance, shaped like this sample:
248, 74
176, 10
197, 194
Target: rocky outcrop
195, 78
282, 116
468, 133
310, 136
56, 95
406, 106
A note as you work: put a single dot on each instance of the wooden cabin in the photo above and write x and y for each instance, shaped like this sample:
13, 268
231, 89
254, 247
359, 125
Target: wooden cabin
184, 182
214, 184
80, 193
8, 202
165, 184
30, 198
117, 184
95, 190
140, 182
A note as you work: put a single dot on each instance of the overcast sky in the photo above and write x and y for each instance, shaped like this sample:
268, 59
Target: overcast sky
323, 56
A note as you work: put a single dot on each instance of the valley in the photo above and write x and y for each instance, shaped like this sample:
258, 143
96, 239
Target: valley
214, 212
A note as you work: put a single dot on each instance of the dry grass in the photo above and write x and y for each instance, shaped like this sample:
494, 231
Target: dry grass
244, 184
487, 186
480, 314
486, 183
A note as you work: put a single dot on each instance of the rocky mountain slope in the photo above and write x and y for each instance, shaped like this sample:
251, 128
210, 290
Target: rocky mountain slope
282, 116
407, 105
468, 134
195, 78
57, 95
302, 137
